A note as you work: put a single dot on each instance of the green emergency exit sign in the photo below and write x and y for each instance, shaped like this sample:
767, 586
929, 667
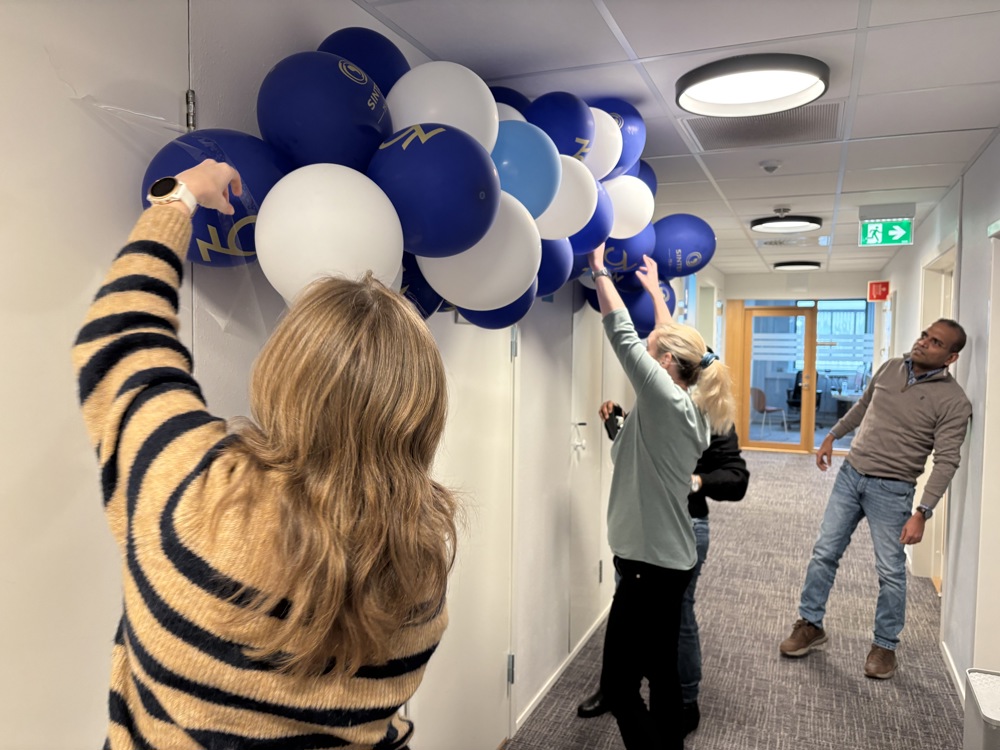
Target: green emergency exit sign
885, 232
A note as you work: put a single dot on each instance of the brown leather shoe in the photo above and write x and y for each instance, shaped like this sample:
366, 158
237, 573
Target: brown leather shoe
880, 664
805, 637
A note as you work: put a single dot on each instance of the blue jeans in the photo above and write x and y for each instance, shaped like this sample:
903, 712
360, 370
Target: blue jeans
689, 645
887, 504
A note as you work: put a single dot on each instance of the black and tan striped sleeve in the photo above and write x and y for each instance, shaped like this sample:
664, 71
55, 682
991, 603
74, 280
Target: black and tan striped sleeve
134, 375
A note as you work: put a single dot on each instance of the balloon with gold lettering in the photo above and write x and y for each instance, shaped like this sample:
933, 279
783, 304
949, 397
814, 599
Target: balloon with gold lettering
633, 130
684, 244
574, 203
217, 239
443, 185
496, 270
448, 93
623, 257
505, 316
607, 146
598, 227
318, 107
556, 266
528, 164
370, 51
567, 119
327, 219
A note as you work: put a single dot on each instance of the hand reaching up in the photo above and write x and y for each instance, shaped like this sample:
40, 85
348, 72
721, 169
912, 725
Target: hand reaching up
648, 275
210, 183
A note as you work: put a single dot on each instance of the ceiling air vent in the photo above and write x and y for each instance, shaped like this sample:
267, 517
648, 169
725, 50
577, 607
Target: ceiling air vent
814, 122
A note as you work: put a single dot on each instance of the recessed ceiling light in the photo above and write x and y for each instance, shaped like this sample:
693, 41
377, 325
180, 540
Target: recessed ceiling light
786, 224
797, 265
750, 85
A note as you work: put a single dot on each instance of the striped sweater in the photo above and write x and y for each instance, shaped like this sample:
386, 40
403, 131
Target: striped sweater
179, 679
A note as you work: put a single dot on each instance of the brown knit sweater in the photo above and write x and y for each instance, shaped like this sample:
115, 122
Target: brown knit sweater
179, 678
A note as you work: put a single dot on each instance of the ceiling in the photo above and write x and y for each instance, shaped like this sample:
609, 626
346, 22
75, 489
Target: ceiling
914, 98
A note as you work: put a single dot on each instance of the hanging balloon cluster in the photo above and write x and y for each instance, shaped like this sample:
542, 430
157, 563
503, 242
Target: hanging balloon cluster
477, 198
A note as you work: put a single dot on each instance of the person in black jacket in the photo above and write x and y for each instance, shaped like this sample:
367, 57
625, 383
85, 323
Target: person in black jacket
721, 474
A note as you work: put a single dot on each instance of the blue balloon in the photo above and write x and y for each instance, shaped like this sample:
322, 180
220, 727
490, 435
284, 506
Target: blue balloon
633, 129
641, 310
566, 118
510, 97
598, 228
317, 107
504, 316
528, 164
581, 266
645, 173
632, 171
591, 296
416, 289
443, 185
684, 244
370, 51
624, 257
218, 239
557, 265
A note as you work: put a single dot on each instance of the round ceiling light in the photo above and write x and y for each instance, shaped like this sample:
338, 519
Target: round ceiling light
797, 265
750, 85
786, 224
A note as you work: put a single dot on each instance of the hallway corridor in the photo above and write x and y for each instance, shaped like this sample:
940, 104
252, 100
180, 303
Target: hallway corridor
751, 697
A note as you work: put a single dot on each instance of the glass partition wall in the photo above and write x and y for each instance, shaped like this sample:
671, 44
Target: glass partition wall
808, 362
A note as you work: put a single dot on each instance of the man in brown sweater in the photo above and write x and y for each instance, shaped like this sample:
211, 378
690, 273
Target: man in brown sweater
911, 409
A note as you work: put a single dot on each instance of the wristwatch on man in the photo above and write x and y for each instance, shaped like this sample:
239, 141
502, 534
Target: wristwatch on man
170, 190
925, 511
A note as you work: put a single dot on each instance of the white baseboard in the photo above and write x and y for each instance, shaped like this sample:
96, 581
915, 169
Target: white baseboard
956, 678
562, 668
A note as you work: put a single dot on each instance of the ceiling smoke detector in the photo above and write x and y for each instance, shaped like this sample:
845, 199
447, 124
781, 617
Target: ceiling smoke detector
770, 165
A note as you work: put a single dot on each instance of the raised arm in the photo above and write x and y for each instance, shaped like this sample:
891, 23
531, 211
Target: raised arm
650, 280
607, 295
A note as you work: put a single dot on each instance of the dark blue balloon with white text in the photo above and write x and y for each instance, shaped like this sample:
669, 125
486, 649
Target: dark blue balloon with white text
684, 244
217, 239
318, 107
443, 185
370, 51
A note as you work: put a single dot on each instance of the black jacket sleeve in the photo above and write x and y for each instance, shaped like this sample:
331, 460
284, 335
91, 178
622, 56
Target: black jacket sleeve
724, 474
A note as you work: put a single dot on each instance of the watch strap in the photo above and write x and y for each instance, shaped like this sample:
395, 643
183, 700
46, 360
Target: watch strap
599, 272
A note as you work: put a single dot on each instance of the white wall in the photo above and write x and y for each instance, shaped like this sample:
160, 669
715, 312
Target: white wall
819, 285
72, 168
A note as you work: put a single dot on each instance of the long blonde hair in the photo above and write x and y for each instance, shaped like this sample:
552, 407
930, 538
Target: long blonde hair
711, 385
348, 398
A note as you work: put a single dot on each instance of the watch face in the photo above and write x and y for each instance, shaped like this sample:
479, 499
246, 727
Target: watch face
163, 186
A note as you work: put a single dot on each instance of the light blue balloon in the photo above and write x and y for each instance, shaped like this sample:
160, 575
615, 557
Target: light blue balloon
528, 164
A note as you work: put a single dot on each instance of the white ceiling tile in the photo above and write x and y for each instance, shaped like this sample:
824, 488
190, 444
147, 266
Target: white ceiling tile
670, 169
934, 175
884, 12
811, 205
663, 138
777, 186
662, 28
931, 54
510, 38
933, 110
685, 192
925, 148
800, 159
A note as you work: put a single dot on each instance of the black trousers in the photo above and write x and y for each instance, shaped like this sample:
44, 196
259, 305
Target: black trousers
641, 641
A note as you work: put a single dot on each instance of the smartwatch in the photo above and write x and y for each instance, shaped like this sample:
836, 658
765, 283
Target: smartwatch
925, 511
170, 190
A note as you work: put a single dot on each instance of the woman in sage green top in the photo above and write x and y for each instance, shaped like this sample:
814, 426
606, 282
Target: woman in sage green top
683, 395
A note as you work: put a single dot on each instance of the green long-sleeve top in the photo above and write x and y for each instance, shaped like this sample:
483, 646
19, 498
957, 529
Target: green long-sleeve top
899, 425
654, 454
182, 675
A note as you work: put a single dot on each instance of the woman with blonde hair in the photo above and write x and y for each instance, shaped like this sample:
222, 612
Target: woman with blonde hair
683, 394
284, 583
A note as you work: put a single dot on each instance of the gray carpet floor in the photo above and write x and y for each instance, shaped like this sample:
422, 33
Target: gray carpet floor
751, 697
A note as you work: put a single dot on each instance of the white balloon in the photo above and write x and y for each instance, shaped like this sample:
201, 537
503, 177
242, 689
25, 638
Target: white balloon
606, 149
633, 204
326, 220
397, 283
446, 93
584, 278
496, 270
574, 203
507, 112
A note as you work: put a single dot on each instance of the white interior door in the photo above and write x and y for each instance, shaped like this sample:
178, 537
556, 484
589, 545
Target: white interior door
463, 702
